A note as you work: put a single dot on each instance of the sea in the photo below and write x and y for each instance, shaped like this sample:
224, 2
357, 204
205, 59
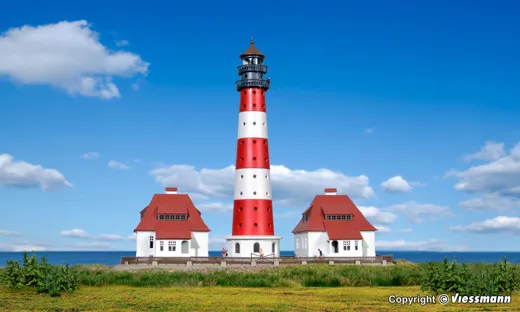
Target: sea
114, 257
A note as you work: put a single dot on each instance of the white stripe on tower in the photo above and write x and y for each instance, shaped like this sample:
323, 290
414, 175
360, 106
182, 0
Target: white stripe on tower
252, 124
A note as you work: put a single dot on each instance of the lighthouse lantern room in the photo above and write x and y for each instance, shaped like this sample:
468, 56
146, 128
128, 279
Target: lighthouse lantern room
253, 223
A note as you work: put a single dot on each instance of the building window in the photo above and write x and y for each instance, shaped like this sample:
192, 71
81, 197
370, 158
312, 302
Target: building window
237, 248
273, 248
256, 247
161, 217
185, 247
305, 243
161, 246
339, 217
171, 246
344, 245
356, 245
173, 217
151, 241
298, 243
348, 245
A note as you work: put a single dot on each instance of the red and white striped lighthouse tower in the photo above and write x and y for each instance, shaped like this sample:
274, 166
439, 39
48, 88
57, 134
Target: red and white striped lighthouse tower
253, 224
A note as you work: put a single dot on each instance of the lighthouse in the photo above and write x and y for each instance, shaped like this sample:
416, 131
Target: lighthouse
253, 223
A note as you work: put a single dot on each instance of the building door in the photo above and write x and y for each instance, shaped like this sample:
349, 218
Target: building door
335, 247
256, 247
185, 247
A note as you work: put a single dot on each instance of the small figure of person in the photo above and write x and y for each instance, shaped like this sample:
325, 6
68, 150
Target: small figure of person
321, 252
269, 79
224, 252
261, 253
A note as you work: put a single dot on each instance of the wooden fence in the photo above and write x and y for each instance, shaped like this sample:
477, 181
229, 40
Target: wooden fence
269, 259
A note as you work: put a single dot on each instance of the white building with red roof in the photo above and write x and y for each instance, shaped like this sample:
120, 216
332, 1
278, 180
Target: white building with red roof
171, 226
335, 225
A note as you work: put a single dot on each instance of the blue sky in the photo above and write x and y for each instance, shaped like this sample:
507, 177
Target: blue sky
362, 92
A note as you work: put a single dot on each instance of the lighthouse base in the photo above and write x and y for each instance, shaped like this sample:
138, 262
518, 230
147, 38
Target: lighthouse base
242, 246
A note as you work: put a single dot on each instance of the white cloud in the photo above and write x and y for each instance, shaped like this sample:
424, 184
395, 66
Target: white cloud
8, 233
132, 236
24, 175
288, 215
377, 216
90, 155
92, 245
414, 211
79, 233
23, 246
490, 151
216, 242
122, 43
429, 245
66, 55
382, 229
290, 187
491, 201
117, 165
500, 224
215, 207
396, 185
407, 230
498, 176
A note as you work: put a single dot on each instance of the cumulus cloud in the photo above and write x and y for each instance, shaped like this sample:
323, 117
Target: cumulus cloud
415, 211
407, 230
82, 234
122, 43
117, 165
492, 202
66, 55
428, 245
215, 207
377, 216
290, 187
382, 228
500, 224
490, 151
90, 155
8, 233
396, 185
500, 176
216, 242
24, 175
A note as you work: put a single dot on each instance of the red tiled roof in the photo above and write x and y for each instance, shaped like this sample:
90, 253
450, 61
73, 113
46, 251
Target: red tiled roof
173, 229
171, 204
336, 229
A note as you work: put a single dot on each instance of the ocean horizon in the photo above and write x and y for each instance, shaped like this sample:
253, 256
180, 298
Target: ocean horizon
114, 257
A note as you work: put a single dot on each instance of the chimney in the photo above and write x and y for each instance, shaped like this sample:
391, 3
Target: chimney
330, 191
171, 190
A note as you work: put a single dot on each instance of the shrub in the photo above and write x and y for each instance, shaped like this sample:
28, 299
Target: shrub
471, 280
46, 278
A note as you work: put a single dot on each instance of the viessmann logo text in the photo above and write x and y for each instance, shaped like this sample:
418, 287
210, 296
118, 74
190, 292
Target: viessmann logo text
478, 299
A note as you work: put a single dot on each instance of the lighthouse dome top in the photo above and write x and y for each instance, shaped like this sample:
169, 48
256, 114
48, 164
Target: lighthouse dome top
252, 51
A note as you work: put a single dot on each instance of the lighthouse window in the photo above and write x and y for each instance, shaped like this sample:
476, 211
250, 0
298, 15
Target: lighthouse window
254, 158
255, 208
244, 123
254, 141
273, 248
241, 193
266, 176
254, 176
254, 193
256, 247
269, 225
255, 225
242, 176
254, 123
237, 248
267, 193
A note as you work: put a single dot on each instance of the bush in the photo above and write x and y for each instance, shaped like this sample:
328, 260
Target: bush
471, 280
46, 278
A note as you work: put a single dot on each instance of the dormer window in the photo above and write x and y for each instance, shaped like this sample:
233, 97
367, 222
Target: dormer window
304, 218
173, 217
339, 217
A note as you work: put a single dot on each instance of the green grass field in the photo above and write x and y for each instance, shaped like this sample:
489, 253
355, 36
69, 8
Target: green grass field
193, 299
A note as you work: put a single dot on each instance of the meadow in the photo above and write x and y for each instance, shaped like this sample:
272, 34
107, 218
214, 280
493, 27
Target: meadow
37, 286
